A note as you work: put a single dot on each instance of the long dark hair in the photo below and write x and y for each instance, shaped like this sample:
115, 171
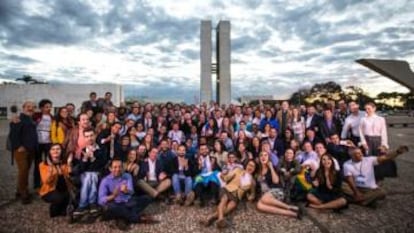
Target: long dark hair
59, 119
49, 158
320, 173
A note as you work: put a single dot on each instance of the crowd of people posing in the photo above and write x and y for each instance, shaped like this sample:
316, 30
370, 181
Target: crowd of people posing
120, 159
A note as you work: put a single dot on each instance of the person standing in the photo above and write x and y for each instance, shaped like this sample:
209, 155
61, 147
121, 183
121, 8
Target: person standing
43, 121
373, 131
24, 143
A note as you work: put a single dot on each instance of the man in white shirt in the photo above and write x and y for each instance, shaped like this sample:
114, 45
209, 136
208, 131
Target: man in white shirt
359, 175
43, 121
352, 123
176, 134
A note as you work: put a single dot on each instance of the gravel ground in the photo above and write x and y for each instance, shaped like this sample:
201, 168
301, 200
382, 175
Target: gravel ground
18, 218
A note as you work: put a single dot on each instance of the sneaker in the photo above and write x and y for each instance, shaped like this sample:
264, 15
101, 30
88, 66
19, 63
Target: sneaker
189, 199
221, 224
80, 211
178, 200
26, 200
94, 208
122, 225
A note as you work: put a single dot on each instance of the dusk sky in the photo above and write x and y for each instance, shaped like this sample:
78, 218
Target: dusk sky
277, 46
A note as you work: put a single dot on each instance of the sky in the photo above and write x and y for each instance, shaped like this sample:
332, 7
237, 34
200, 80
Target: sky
152, 47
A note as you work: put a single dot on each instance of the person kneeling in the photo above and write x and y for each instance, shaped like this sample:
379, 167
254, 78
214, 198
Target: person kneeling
327, 193
117, 200
54, 177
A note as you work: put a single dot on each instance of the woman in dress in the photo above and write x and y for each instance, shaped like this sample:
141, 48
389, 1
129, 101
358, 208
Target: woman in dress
271, 189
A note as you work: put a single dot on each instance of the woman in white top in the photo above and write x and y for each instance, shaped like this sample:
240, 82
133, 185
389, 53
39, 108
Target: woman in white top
373, 131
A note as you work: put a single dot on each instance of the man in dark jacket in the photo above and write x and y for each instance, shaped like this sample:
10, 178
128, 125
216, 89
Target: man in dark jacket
23, 137
89, 167
183, 172
152, 179
108, 141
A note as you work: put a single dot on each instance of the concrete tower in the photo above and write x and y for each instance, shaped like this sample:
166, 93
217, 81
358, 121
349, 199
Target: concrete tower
223, 63
221, 68
205, 60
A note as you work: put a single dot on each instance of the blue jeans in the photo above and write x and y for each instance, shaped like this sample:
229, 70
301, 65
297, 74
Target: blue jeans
89, 189
129, 211
176, 183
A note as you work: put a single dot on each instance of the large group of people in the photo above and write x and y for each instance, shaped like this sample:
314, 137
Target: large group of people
119, 159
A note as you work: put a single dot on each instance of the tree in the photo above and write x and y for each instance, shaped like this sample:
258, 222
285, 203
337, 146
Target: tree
320, 92
29, 80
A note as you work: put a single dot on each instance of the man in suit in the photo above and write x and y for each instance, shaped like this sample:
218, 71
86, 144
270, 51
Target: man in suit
108, 140
151, 178
284, 116
328, 125
276, 144
311, 118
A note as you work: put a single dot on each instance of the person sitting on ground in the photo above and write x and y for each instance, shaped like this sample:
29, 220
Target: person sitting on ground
54, 175
327, 192
360, 176
132, 165
91, 165
232, 163
272, 197
183, 173
220, 153
240, 183
288, 168
117, 200
152, 179
207, 181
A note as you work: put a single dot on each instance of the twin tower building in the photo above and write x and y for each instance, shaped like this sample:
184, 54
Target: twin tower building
221, 67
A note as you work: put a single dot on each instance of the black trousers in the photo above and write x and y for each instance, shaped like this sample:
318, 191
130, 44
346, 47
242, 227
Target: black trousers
203, 192
58, 202
43, 149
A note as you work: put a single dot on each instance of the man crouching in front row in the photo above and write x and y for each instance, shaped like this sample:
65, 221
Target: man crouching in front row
117, 200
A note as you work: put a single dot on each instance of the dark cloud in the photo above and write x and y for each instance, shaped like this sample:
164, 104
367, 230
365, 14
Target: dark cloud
70, 22
17, 59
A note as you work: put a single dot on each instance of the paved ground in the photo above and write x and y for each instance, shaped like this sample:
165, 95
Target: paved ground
395, 214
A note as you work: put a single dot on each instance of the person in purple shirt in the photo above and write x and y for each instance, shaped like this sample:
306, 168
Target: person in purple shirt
117, 200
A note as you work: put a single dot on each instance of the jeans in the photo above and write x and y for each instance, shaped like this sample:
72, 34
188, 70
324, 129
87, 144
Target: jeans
89, 189
177, 181
129, 211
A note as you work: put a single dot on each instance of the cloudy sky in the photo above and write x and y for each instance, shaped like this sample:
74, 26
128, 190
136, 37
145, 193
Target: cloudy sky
277, 47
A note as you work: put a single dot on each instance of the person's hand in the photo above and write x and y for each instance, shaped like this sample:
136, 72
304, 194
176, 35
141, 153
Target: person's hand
358, 196
59, 171
350, 143
21, 149
70, 159
15, 119
115, 193
162, 176
315, 183
124, 187
402, 149
270, 165
382, 149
